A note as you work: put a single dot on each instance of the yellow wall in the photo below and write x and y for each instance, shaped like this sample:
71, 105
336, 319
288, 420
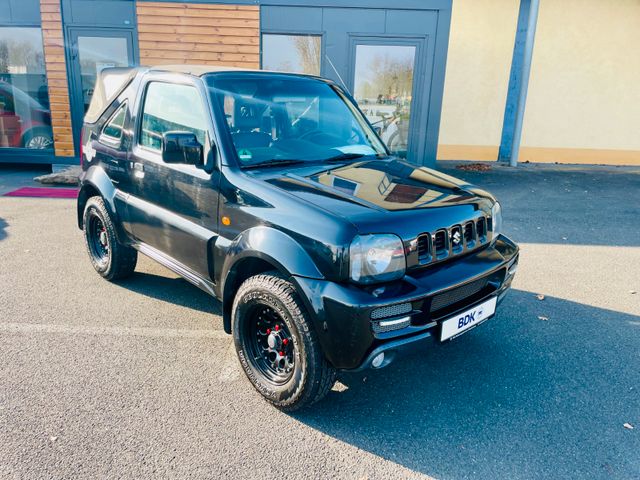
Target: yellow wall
584, 93
477, 76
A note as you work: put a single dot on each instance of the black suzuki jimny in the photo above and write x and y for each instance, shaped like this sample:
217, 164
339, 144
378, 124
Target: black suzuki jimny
272, 193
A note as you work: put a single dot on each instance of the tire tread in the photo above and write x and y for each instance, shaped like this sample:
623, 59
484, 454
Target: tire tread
123, 258
321, 375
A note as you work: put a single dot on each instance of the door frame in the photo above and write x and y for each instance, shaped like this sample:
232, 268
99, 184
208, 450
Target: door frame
76, 100
421, 86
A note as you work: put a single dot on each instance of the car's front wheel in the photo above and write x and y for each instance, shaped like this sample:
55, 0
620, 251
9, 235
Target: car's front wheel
277, 345
110, 258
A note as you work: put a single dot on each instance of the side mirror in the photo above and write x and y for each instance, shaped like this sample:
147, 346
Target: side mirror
181, 147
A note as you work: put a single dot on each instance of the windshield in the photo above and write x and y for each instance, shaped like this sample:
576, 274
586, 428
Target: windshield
275, 119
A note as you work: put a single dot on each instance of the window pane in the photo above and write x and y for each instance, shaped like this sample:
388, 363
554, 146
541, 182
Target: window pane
25, 120
95, 54
114, 128
291, 53
383, 89
170, 107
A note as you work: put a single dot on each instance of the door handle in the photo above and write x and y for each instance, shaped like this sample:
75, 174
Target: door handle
138, 170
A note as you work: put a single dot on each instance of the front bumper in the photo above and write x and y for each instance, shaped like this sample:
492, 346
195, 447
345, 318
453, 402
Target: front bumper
342, 313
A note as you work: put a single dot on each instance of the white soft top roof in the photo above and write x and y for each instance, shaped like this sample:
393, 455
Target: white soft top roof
109, 83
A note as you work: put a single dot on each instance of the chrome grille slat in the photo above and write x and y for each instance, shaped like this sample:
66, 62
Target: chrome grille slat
469, 232
481, 227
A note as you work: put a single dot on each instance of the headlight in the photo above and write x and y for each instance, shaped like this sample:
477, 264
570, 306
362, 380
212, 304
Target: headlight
376, 258
496, 220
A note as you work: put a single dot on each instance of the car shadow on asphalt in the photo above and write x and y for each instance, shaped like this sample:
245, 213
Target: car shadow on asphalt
174, 290
3, 228
517, 397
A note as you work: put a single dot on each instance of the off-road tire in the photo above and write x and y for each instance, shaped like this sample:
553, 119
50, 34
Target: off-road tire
120, 262
313, 376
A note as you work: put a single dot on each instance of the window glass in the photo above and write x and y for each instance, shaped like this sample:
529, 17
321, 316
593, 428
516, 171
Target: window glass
290, 118
171, 108
25, 119
95, 54
383, 87
113, 129
291, 53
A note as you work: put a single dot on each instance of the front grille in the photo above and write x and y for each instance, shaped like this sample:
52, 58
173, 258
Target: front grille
391, 311
457, 294
424, 249
434, 247
440, 242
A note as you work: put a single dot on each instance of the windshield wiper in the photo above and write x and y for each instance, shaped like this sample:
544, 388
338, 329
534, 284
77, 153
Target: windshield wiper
344, 156
275, 162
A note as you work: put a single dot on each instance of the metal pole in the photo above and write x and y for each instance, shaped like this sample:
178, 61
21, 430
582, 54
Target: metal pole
519, 82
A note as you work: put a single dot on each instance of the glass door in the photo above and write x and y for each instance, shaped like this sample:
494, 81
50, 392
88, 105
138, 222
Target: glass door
384, 85
94, 50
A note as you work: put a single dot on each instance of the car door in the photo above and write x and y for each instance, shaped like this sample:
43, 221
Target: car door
107, 146
174, 206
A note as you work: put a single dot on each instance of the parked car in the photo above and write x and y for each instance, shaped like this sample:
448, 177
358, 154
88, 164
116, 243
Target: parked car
24, 122
272, 193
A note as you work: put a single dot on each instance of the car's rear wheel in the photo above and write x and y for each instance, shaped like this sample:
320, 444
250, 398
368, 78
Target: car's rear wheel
110, 258
277, 345
38, 139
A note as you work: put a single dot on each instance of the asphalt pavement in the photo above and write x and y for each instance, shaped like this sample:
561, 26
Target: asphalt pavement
137, 379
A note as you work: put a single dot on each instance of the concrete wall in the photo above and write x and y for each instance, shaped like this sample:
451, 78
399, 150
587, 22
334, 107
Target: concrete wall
584, 94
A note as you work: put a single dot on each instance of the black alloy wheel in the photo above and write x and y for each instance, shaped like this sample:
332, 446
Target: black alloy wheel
98, 239
270, 344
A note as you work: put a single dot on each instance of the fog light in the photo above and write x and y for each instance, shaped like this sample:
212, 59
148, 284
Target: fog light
513, 268
377, 360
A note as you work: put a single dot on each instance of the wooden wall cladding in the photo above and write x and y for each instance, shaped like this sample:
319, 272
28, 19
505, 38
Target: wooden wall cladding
57, 77
198, 33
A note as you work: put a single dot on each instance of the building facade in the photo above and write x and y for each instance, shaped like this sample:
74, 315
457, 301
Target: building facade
431, 75
391, 56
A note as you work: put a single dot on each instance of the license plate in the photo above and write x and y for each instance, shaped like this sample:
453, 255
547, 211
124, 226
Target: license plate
454, 326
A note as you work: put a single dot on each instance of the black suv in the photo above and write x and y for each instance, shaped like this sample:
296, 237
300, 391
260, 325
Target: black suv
272, 193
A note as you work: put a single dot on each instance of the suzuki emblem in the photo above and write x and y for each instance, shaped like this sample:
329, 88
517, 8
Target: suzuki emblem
457, 238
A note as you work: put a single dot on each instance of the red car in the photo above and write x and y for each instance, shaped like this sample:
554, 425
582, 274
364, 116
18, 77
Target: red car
24, 122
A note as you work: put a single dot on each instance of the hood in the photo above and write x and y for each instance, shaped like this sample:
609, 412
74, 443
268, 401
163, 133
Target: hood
386, 195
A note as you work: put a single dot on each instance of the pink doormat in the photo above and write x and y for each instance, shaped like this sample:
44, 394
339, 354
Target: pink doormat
44, 192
